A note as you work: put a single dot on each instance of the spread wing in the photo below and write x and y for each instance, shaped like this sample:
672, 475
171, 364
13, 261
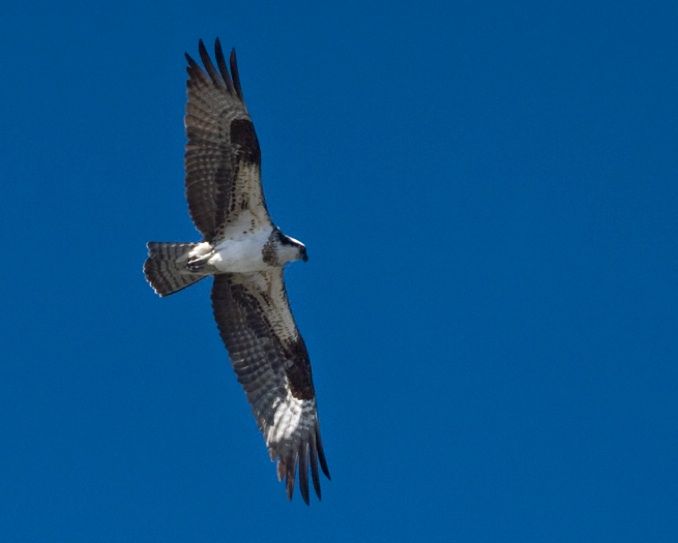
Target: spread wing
223, 159
271, 362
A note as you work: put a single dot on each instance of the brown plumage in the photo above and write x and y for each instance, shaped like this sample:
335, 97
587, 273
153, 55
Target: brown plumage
227, 205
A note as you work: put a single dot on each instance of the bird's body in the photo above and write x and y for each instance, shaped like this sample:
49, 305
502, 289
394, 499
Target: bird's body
241, 255
246, 253
238, 254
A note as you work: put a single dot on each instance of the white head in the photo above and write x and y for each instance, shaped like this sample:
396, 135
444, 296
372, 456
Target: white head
282, 249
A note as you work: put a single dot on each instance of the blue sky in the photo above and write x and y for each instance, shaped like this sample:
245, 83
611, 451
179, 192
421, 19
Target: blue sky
488, 193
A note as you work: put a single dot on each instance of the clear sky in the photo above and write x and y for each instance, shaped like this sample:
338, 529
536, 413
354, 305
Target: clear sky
488, 192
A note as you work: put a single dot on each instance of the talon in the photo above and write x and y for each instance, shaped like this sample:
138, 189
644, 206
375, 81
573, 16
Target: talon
195, 265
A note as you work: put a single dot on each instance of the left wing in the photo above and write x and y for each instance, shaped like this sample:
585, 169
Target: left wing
223, 158
270, 359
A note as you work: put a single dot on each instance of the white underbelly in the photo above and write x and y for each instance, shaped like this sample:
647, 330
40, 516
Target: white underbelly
239, 256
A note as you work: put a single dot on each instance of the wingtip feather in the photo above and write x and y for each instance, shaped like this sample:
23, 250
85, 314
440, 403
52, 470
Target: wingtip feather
321, 454
209, 66
236, 75
290, 475
221, 63
303, 471
315, 476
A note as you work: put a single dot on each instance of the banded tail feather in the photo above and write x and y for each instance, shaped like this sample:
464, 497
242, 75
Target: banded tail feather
162, 271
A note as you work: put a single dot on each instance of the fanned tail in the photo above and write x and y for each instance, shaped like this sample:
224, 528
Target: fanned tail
162, 271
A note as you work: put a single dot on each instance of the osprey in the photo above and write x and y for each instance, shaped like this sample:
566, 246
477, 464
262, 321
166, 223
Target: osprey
245, 253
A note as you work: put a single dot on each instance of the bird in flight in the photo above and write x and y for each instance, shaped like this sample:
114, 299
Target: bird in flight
245, 253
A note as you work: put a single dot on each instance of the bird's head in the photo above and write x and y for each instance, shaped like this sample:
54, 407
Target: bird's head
288, 249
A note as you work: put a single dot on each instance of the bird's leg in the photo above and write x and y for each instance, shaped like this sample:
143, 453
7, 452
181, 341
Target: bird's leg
198, 257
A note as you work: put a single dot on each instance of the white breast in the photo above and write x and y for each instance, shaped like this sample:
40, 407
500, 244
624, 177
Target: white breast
241, 255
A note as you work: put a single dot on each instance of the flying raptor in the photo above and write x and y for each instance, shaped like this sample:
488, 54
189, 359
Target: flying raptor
245, 253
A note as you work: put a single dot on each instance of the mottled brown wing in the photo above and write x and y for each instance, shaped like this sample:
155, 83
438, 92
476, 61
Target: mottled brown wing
271, 362
223, 159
